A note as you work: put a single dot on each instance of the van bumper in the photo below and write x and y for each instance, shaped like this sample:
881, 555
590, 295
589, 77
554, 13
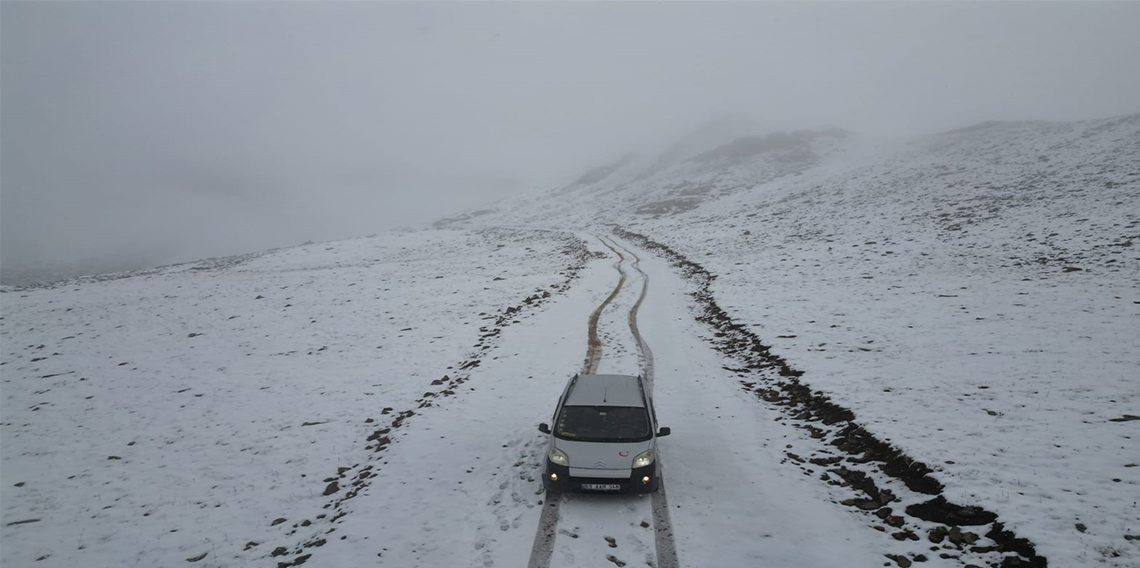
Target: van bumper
565, 483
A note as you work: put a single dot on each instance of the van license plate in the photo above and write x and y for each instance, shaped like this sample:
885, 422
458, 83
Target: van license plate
601, 486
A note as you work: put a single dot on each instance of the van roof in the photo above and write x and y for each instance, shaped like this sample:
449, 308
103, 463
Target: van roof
606, 390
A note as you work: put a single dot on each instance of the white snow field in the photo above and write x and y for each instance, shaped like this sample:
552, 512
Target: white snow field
156, 418
374, 402
198, 445
975, 300
973, 297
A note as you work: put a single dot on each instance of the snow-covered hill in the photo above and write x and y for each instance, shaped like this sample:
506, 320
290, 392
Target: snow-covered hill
970, 298
153, 417
681, 179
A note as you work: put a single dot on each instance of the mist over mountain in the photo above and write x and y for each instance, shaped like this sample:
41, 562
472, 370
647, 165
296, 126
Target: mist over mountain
1013, 165
137, 133
731, 157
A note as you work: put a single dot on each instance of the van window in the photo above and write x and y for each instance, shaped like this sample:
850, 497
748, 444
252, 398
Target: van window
603, 424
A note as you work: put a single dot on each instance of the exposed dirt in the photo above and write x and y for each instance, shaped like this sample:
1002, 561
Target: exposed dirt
938, 510
594, 346
770, 378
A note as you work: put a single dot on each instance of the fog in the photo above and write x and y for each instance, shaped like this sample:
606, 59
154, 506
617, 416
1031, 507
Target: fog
141, 133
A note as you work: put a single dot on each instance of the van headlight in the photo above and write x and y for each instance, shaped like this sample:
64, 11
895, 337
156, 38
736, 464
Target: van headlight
643, 459
558, 456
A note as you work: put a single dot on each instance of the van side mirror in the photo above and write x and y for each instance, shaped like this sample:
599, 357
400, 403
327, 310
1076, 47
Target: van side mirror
544, 428
664, 431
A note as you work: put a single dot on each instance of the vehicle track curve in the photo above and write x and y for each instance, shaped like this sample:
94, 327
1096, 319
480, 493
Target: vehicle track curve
547, 529
662, 524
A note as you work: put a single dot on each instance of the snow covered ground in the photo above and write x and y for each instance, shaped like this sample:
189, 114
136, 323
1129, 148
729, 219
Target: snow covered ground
220, 437
152, 419
971, 297
976, 309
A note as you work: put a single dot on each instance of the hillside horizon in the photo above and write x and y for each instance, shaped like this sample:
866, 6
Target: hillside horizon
701, 144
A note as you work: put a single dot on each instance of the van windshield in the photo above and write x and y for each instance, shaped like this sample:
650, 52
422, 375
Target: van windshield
603, 424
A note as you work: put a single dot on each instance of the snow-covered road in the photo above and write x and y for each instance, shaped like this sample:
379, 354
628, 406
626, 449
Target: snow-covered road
733, 502
374, 403
576, 525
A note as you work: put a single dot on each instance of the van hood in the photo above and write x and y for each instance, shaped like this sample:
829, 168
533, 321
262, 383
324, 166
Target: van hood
601, 455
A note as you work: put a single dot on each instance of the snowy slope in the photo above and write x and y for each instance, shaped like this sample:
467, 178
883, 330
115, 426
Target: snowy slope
374, 402
151, 419
975, 300
684, 177
972, 297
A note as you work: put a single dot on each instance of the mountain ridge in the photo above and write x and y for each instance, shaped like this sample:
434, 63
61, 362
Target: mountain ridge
630, 187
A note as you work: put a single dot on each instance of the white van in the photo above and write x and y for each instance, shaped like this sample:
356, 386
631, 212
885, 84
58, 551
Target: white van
604, 437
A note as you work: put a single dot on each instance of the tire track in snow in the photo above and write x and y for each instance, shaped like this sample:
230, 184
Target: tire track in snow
594, 349
547, 531
662, 525
544, 537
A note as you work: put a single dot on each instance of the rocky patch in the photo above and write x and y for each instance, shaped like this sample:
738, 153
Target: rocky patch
863, 458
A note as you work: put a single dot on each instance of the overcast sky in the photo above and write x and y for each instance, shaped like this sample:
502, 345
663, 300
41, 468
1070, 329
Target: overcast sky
163, 131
